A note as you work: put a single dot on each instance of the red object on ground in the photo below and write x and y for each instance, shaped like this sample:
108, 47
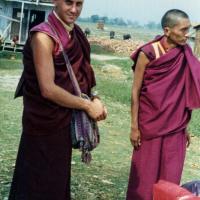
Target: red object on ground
164, 190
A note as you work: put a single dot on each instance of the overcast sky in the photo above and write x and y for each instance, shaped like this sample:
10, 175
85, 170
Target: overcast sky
140, 10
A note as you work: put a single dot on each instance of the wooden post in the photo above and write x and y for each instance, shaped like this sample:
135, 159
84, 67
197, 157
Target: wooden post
197, 41
21, 18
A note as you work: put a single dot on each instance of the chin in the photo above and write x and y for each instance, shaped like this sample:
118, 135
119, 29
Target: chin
69, 22
182, 43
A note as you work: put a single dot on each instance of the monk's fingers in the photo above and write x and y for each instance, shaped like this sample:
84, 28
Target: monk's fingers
188, 144
105, 112
104, 115
101, 117
188, 140
139, 141
135, 143
105, 109
136, 146
131, 140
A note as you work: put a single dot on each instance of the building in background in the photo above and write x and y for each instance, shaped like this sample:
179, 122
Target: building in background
17, 17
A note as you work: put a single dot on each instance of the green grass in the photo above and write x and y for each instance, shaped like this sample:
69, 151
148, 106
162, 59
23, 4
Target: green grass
124, 64
97, 49
107, 176
113, 89
8, 64
9, 54
10, 128
143, 34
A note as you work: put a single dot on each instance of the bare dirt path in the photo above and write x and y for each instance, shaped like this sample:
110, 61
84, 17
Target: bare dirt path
107, 57
9, 82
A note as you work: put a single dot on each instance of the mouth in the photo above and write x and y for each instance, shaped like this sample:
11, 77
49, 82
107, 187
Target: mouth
72, 16
184, 41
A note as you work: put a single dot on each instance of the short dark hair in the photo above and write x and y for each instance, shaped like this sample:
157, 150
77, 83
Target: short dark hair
171, 18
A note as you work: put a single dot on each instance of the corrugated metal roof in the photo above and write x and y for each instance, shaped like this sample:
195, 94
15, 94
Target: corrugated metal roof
34, 1
45, 1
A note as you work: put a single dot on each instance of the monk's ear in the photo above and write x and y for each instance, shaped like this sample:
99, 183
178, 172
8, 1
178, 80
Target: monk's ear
55, 2
166, 31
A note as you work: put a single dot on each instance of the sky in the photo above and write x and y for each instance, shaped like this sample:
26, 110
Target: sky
142, 11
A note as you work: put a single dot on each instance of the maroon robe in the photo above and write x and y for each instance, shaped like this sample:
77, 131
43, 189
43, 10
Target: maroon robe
43, 165
170, 90
41, 116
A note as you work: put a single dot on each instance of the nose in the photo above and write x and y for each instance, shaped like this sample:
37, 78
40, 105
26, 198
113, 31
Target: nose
187, 35
74, 8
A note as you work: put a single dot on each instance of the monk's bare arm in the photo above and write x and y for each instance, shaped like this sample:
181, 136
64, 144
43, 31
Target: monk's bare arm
42, 46
136, 88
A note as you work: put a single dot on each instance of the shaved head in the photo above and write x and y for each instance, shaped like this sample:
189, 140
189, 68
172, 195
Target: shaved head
172, 17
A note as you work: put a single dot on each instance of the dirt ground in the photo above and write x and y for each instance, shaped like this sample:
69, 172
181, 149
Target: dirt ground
122, 47
9, 82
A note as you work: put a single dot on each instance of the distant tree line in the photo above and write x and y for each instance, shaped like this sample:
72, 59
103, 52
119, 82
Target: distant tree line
119, 21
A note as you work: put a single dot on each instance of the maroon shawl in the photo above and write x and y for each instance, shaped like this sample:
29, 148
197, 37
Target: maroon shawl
40, 115
78, 53
170, 90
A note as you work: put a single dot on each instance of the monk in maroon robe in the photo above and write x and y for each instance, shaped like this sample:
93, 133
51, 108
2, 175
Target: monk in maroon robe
166, 89
42, 170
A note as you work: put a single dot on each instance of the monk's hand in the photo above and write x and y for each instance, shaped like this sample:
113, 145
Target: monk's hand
135, 138
96, 110
104, 113
188, 138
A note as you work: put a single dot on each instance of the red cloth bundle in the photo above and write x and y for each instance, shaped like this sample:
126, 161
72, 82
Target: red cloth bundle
164, 190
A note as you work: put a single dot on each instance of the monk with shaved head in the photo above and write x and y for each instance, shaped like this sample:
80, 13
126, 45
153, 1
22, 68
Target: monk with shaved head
166, 88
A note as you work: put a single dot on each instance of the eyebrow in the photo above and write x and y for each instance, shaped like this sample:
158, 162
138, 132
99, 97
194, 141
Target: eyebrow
70, 1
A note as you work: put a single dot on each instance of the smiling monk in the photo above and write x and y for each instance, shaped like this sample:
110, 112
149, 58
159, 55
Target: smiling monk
43, 165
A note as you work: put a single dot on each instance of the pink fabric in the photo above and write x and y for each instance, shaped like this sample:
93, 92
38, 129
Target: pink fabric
149, 52
57, 25
170, 90
159, 158
77, 48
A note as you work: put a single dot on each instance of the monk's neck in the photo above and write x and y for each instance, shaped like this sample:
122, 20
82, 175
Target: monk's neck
167, 43
68, 27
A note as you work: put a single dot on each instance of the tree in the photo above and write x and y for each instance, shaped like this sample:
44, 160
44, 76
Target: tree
120, 21
94, 18
152, 25
105, 19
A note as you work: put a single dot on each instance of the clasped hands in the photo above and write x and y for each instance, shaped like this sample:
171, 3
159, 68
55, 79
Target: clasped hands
96, 110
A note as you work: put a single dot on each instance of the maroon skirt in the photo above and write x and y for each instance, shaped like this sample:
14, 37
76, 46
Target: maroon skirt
43, 167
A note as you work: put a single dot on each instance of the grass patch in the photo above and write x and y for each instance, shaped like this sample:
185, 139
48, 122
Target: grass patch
9, 54
97, 49
124, 64
114, 89
107, 176
119, 91
10, 129
8, 64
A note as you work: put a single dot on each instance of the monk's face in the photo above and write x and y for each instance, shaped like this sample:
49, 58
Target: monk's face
68, 10
179, 33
